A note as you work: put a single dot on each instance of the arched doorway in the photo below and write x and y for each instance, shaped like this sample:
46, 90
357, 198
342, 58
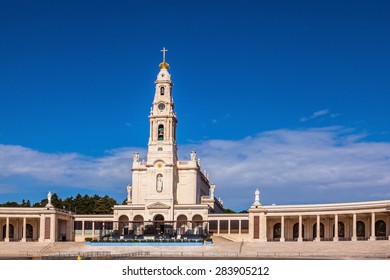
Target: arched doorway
360, 230
138, 225
182, 224
197, 225
296, 231
380, 228
322, 231
123, 225
277, 231
159, 225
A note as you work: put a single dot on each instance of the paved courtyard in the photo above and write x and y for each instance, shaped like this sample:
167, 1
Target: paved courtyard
221, 249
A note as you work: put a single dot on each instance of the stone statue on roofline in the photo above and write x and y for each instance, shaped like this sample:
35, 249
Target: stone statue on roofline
49, 205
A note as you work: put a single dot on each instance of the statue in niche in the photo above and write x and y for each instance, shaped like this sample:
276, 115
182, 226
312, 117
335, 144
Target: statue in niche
159, 183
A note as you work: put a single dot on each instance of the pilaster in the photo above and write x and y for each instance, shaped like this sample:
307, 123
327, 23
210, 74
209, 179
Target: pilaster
42, 228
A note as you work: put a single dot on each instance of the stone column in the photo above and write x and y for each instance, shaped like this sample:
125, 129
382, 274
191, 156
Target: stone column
24, 229
82, 229
53, 226
218, 227
354, 236
336, 228
300, 239
6, 239
42, 228
239, 226
93, 229
282, 239
229, 227
318, 236
372, 237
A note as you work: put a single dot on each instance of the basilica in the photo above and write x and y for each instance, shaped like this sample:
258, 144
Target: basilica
171, 198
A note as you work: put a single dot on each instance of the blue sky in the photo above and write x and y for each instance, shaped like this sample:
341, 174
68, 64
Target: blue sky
288, 96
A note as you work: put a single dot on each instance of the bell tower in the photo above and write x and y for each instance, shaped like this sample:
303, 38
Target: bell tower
163, 120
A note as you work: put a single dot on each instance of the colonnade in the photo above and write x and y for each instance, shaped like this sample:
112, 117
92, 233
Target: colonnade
328, 227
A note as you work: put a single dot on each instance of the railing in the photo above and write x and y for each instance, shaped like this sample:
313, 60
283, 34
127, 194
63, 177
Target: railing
320, 255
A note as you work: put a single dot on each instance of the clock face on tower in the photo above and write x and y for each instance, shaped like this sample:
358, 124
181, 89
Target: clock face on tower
161, 106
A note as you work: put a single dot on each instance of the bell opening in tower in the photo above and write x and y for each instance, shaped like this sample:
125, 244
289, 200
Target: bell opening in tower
160, 132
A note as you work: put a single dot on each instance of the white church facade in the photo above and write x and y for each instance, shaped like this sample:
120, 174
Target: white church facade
172, 198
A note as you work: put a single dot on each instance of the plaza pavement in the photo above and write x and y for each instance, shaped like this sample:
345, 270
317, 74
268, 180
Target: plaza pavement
221, 249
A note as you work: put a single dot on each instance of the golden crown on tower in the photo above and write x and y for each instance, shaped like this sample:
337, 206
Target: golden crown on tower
164, 65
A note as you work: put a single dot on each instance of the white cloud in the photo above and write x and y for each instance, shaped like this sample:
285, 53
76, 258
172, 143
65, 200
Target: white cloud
289, 166
314, 165
317, 114
68, 169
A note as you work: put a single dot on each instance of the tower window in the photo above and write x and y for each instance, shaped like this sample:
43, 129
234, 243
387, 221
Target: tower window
160, 132
162, 90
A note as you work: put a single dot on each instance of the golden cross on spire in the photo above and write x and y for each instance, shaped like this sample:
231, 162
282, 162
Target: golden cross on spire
164, 50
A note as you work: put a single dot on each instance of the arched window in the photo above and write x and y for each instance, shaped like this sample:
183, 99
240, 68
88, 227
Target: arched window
321, 230
277, 230
29, 231
160, 136
162, 90
340, 229
296, 230
360, 229
380, 228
